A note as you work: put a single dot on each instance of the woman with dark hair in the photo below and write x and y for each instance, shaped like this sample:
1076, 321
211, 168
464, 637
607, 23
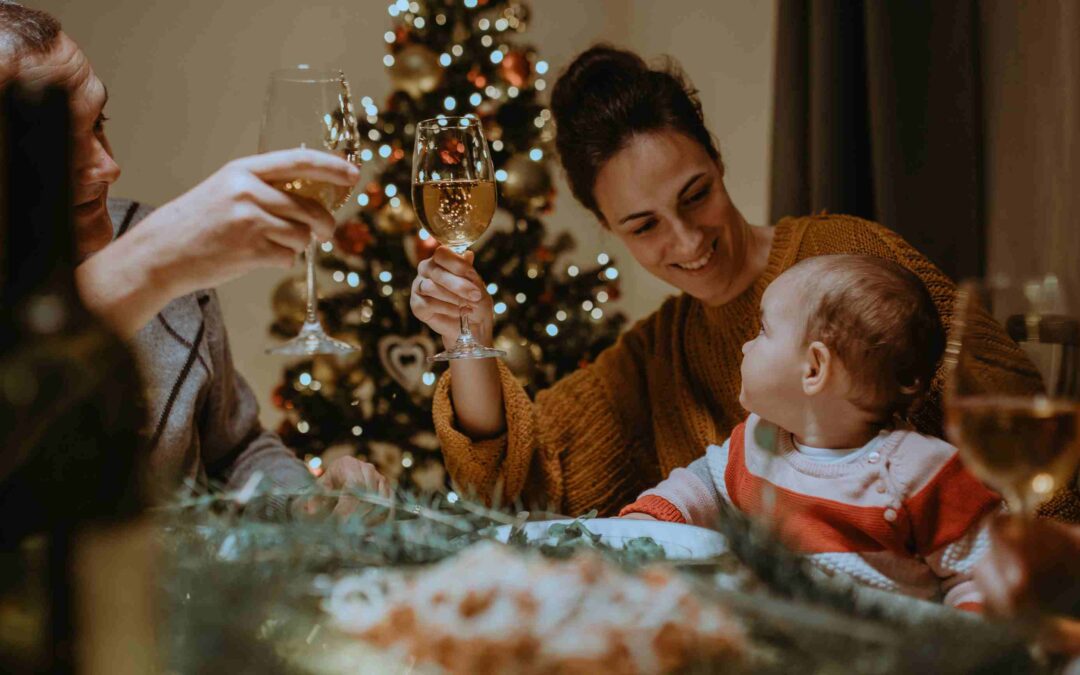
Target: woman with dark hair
636, 151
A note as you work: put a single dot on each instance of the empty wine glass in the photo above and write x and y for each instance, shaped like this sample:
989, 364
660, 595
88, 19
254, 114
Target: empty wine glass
454, 197
307, 108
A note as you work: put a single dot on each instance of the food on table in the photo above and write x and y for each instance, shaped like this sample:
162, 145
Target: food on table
493, 609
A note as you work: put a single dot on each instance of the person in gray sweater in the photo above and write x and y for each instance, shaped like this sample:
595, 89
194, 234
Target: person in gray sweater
153, 283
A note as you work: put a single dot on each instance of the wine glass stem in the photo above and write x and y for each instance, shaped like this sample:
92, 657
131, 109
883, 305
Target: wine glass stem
311, 318
1015, 498
465, 336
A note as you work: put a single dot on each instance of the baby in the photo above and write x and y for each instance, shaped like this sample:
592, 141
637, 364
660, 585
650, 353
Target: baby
848, 344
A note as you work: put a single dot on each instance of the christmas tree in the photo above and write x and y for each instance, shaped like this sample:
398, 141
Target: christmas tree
445, 57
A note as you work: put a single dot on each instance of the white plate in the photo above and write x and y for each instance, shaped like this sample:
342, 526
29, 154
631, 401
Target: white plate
680, 542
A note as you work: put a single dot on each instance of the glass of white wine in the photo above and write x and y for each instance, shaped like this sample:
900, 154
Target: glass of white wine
453, 192
1023, 444
310, 108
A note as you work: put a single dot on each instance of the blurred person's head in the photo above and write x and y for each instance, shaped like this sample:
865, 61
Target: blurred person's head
35, 50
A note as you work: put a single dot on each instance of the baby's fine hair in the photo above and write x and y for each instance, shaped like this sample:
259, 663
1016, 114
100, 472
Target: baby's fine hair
879, 320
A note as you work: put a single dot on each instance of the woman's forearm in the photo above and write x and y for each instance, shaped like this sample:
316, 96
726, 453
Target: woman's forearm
476, 391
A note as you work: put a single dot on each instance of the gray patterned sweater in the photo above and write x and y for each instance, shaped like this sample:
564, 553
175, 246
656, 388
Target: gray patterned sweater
203, 421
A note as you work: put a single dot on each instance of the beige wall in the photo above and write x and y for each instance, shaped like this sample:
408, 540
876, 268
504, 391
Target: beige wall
186, 83
1031, 70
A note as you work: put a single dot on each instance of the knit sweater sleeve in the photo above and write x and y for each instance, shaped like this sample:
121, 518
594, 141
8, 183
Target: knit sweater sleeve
1002, 365
685, 496
954, 564
234, 444
585, 443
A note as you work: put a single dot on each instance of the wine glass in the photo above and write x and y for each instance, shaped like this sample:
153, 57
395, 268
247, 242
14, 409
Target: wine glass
309, 108
1023, 442
453, 192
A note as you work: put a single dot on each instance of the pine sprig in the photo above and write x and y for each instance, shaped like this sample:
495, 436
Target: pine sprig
239, 590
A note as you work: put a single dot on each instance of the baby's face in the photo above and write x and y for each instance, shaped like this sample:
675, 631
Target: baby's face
774, 362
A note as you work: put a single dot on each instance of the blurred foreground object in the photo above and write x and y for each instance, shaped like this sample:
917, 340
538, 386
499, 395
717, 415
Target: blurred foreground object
75, 552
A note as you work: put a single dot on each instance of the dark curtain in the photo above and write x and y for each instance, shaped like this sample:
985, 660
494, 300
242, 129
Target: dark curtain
878, 114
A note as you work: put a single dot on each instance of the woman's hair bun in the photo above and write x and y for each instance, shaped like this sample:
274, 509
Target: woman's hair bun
604, 98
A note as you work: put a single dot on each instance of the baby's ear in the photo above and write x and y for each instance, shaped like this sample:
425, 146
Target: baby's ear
818, 368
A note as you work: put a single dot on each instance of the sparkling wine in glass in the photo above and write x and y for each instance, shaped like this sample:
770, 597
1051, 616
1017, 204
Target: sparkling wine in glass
454, 196
1023, 443
309, 108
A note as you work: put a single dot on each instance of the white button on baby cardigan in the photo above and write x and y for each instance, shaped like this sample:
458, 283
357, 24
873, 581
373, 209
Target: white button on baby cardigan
890, 515
873, 457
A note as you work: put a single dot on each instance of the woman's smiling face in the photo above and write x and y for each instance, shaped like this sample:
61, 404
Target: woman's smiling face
664, 197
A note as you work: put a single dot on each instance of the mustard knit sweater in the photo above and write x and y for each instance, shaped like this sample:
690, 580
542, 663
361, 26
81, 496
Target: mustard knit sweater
670, 387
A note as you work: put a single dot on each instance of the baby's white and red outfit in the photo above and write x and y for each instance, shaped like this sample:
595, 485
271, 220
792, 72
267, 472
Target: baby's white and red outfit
900, 513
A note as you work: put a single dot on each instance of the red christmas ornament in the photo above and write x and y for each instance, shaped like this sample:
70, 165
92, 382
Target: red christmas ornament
401, 36
376, 195
515, 68
397, 155
544, 254
451, 151
420, 249
477, 78
546, 298
353, 237
278, 397
613, 292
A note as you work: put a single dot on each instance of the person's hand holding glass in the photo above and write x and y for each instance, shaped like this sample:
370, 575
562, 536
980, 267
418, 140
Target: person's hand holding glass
454, 197
307, 108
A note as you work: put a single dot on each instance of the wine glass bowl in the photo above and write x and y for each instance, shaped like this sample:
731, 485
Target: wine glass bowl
453, 192
309, 108
1025, 444
457, 212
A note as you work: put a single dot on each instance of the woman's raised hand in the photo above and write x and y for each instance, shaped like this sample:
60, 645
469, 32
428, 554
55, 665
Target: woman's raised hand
445, 282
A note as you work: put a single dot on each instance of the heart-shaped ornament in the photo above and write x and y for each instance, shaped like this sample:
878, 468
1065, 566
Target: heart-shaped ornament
405, 358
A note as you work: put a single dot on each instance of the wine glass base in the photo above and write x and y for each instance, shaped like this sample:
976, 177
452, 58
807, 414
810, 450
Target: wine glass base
469, 352
310, 342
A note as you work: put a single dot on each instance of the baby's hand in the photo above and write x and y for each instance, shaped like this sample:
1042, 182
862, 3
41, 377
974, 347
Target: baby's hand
637, 516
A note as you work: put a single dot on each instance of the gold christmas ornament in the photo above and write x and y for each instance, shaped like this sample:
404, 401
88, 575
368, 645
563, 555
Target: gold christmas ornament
425, 440
289, 301
460, 33
395, 220
416, 70
337, 451
387, 459
363, 396
429, 476
517, 16
325, 371
521, 354
546, 141
527, 183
